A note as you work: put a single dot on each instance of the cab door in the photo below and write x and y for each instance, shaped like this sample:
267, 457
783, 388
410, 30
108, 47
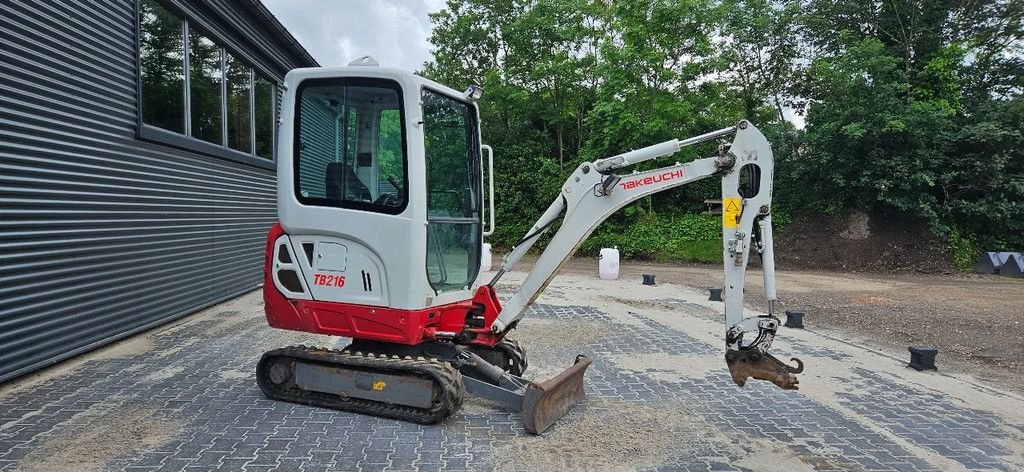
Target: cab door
451, 142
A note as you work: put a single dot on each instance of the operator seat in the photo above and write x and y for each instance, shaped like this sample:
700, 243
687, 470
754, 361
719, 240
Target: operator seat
338, 172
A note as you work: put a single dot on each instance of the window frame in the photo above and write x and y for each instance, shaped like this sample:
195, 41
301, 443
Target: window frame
297, 134
186, 141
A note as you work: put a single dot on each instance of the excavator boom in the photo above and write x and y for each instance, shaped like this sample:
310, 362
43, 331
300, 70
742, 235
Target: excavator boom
593, 192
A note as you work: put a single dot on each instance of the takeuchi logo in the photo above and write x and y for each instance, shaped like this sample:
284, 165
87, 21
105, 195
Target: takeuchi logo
652, 179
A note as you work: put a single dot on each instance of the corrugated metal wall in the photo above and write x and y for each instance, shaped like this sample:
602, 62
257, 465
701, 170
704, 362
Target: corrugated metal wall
102, 235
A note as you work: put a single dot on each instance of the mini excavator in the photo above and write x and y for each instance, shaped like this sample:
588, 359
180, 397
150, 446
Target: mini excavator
381, 209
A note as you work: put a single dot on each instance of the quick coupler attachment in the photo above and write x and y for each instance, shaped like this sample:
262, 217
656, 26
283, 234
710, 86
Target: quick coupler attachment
747, 363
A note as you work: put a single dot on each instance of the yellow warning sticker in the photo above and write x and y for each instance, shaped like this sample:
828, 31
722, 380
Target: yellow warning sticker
379, 385
731, 210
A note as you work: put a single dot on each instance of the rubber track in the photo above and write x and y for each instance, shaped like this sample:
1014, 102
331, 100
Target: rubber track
452, 390
514, 350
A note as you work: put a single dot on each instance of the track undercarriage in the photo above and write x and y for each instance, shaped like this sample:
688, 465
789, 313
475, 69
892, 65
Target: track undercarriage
425, 383
420, 389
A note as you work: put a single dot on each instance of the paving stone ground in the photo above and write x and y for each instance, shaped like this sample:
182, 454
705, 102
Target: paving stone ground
183, 397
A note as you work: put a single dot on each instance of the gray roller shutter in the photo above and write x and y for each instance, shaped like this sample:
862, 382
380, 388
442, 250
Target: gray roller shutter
104, 235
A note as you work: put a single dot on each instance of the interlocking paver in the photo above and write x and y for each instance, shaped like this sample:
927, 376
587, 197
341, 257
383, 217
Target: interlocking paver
197, 379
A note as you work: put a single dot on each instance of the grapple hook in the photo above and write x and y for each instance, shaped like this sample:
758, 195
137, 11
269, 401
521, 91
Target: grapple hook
750, 363
799, 366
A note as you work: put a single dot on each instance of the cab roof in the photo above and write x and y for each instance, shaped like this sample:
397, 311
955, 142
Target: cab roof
363, 68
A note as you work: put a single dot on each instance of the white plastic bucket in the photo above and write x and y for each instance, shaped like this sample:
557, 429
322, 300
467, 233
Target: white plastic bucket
485, 258
608, 265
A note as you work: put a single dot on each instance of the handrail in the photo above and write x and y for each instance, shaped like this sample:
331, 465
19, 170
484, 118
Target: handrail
490, 193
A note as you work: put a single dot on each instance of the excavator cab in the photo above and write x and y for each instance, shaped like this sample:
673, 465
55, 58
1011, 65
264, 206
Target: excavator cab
381, 208
380, 184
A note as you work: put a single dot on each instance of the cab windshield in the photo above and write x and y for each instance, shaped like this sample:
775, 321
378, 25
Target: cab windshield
453, 191
350, 144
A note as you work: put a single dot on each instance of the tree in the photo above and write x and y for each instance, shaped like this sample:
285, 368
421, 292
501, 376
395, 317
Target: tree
912, 106
760, 50
912, 109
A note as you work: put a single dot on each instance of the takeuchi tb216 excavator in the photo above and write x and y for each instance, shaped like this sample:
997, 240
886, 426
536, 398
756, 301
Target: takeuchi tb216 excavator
381, 205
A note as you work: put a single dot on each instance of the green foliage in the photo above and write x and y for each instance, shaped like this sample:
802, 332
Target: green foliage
868, 143
390, 148
913, 121
910, 106
684, 237
965, 250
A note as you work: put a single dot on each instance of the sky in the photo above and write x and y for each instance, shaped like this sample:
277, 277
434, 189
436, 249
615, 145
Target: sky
394, 32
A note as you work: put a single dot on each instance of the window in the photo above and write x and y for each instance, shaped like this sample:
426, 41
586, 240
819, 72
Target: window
453, 192
162, 67
350, 144
205, 75
192, 87
390, 155
239, 107
264, 97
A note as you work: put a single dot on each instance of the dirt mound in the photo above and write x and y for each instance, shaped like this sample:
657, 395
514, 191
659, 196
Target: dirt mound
877, 243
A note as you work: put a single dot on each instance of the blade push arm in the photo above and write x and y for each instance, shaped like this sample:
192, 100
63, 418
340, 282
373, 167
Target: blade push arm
593, 193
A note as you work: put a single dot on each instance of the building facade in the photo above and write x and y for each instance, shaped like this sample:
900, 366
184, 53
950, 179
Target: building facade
136, 165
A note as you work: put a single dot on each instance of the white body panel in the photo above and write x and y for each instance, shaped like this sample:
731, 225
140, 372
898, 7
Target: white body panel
392, 247
359, 278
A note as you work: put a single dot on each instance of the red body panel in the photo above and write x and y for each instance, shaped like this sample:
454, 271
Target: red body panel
376, 323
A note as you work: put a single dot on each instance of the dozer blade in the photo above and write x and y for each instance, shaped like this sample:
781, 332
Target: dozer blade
546, 402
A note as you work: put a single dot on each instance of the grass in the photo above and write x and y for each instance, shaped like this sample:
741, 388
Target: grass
691, 251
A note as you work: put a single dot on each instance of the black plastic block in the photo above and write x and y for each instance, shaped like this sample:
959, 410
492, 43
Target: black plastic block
922, 358
648, 279
1014, 265
991, 262
716, 295
794, 319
